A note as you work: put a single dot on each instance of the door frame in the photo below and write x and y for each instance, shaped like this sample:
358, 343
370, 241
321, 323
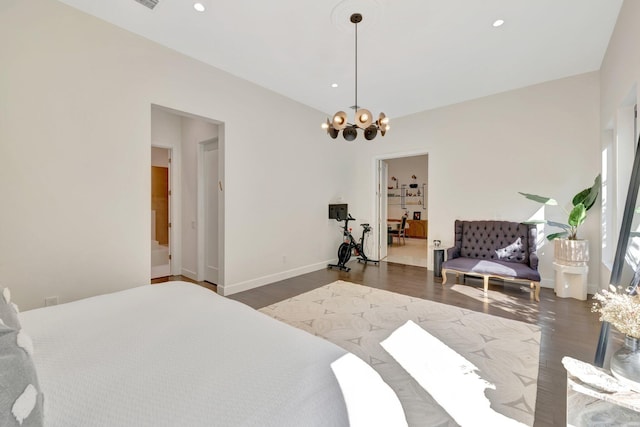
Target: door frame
201, 213
383, 209
201, 219
377, 189
176, 210
175, 264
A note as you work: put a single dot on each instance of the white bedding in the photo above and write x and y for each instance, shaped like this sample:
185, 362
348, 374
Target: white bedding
179, 355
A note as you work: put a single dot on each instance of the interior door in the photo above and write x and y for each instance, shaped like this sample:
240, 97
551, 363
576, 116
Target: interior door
383, 178
211, 212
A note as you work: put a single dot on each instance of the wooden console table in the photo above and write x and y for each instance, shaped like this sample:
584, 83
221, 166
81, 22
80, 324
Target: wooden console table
417, 228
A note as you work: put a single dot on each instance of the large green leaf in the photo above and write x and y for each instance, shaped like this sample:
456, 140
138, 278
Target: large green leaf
581, 196
540, 199
559, 224
588, 196
578, 215
557, 235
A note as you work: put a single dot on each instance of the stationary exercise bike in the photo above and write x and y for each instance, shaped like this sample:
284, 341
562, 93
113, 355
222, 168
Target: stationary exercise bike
351, 245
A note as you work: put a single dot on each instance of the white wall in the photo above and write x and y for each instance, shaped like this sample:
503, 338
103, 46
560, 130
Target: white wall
620, 69
76, 180
75, 116
542, 139
619, 77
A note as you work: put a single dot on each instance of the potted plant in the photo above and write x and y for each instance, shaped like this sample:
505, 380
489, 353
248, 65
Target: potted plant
568, 248
622, 310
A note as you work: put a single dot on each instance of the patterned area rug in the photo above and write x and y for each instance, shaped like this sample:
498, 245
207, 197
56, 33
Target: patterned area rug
358, 318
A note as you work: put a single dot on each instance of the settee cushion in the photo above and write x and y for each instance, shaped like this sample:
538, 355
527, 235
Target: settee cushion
493, 267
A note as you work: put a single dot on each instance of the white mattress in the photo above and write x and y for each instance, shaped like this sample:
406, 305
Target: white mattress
179, 355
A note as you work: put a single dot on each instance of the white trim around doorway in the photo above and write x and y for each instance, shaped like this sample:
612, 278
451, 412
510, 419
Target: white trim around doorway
375, 170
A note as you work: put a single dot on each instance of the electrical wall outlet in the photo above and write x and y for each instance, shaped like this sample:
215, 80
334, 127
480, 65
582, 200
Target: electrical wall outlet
48, 301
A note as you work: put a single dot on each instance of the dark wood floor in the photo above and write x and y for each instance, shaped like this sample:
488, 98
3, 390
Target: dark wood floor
569, 328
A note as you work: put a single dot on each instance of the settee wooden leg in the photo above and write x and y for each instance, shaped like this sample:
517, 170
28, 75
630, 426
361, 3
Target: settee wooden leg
444, 276
486, 284
457, 278
536, 290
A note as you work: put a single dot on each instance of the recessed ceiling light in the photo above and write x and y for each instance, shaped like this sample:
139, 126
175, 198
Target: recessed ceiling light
334, 84
498, 23
199, 7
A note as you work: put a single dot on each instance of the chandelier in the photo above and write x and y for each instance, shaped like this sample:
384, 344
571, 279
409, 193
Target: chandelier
363, 118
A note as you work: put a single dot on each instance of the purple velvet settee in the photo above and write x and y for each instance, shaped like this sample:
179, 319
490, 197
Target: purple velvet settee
494, 249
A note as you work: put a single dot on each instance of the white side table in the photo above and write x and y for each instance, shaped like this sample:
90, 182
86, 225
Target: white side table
594, 398
571, 281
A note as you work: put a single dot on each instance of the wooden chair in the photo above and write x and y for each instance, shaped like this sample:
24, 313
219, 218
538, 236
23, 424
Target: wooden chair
400, 232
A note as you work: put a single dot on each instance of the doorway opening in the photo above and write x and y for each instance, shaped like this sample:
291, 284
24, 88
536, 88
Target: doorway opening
403, 214
191, 232
160, 212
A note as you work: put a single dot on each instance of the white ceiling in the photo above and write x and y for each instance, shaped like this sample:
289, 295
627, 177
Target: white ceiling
413, 55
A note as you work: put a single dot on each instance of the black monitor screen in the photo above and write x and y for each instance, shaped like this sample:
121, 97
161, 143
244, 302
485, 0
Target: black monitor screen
338, 211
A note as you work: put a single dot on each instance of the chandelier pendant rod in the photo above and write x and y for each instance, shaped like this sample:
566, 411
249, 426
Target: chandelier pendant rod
356, 104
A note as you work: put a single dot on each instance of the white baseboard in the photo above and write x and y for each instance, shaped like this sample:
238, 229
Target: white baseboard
265, 280
592, 288
190, 274
547, 283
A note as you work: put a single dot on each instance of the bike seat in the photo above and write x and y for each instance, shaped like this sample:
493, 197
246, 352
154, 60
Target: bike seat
364, 225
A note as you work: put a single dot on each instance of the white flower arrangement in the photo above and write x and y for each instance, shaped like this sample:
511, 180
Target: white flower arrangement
620, 309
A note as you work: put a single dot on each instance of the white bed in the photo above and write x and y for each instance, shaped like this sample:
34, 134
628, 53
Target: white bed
177, 354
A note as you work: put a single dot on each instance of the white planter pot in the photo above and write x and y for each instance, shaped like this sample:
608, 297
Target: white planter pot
571, 252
